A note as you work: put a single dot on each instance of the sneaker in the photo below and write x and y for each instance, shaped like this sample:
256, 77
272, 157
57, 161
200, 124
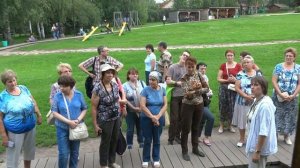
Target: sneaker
114, 165
240, 144
178, 140
156, 165
220, 130
231, 129
129, 146
197, 152
186, 157
145, 165
288, 141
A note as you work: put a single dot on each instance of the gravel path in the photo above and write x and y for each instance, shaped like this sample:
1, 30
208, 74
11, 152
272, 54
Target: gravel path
37, 52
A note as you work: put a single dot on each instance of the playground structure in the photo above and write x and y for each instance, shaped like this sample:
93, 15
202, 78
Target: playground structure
90, 33
131, 18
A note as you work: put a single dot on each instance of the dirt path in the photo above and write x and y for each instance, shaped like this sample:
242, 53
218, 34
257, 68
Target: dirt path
36, 52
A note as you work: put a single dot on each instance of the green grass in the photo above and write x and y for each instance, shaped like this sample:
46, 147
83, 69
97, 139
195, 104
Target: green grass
38, 72
244, 29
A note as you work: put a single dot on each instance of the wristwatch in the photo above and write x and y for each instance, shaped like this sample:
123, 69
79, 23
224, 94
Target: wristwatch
257, 151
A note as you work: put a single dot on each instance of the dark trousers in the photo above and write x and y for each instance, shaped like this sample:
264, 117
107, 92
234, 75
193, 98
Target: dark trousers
208, 120
175, 118
132, 119
109, 139
191, 117
147, 77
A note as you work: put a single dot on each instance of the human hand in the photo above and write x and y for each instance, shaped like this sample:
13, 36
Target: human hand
255, 157
123, 101
5, 141
285, 96
97, 130
92, 75
39, 120
249, 98
138, 109
73, 123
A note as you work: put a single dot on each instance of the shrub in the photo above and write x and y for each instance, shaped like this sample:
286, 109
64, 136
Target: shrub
297, 9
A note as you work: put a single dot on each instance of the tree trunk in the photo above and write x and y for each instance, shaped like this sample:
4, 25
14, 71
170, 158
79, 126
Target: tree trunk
42, 30
39, 30
30, 27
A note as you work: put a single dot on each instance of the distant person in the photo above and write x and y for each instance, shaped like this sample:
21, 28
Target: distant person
19, 115
261, 141
207, 117
69, 110
150, 61
81, 32
53, 31
57, 31
165, 59
31, 39
153, 103
97, 61
164, 19
174, 75
286, 85
226, 76
133, 88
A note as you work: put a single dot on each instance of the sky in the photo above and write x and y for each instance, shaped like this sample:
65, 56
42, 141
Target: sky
159, 1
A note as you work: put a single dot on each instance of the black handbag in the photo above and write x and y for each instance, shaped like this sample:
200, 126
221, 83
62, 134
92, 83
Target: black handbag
89, 82
206, 99
121, 144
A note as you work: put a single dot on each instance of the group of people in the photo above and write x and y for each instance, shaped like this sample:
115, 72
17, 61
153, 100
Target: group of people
243, 102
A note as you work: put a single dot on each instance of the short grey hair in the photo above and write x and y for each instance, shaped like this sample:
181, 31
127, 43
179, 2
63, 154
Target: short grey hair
8, 75
248, 57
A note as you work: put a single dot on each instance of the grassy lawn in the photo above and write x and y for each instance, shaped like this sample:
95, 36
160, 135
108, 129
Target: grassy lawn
39, 72
244, 29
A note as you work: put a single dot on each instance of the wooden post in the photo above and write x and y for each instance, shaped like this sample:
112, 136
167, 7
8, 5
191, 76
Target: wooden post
217, 13
296, 158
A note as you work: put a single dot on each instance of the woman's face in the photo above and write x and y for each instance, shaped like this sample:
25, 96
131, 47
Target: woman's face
133, 76
190, 68
153, 82
256, 89
148, 50
289, 57
247, 64
11, 83
108, 75
65, 89
230, 57
65, 71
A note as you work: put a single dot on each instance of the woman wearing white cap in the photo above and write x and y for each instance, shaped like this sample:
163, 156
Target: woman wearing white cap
153, 104
106, 116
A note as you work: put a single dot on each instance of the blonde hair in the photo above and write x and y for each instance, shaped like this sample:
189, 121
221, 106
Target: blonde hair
248, 57
63, 65
8, 75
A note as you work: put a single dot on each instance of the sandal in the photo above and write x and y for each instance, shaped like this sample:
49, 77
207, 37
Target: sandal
206, 142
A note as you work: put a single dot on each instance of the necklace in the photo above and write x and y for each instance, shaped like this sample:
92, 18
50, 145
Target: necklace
252, 109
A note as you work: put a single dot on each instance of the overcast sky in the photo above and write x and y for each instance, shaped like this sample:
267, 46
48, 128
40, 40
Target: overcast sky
159, 1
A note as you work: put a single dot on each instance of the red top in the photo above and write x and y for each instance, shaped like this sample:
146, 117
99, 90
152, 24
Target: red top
231, 71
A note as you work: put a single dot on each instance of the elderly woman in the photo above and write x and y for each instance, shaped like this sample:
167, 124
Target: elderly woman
106, 115
261, 141
62, 69
19, 114
194, 86
286, 85
244, 97
133, 88
150, 61
226, 76
153, 103
67, 101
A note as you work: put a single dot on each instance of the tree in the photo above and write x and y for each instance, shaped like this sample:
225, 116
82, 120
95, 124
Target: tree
180, 4
206, 4
195, 4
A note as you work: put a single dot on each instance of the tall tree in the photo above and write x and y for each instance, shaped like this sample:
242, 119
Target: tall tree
195, 4
180, 4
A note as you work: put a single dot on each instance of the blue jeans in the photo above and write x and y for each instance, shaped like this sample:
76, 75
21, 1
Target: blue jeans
151, 132
132, 120
147, 77
66, 149
207, 117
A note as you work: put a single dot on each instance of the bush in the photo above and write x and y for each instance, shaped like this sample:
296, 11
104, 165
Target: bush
297, 9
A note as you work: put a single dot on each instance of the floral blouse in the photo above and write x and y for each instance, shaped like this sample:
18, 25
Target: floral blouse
287, 79
187, 83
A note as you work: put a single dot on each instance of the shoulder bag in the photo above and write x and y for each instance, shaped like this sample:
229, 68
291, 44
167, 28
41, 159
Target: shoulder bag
89, 82
80, 131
